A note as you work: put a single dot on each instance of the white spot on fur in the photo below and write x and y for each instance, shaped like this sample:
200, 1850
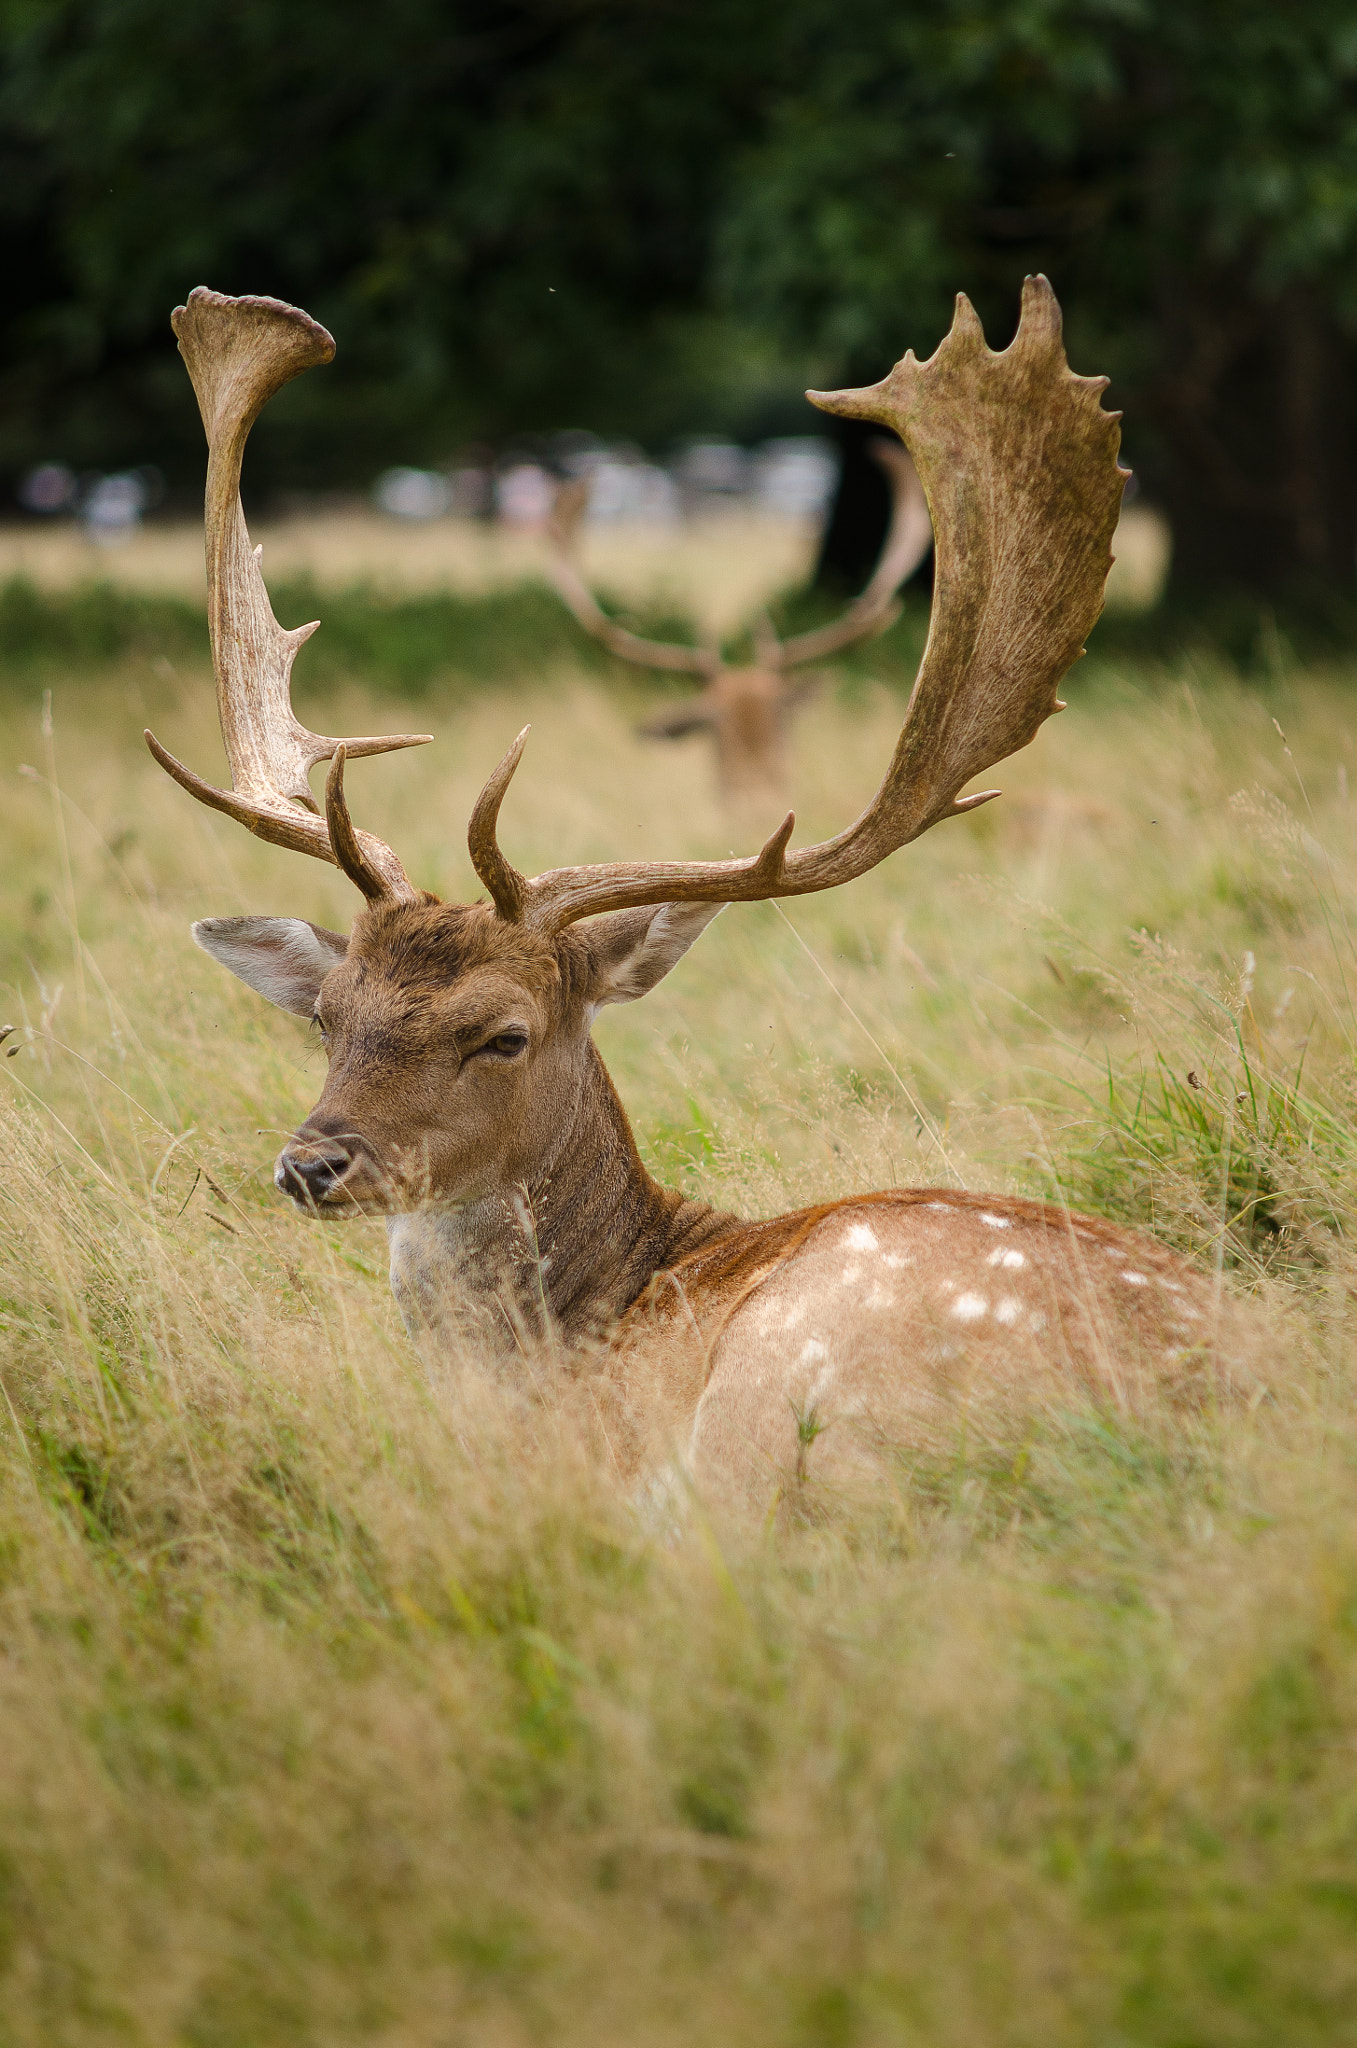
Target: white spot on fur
1007, 1311
945, 1206
820, 1385
769, 1315
861, 1237
895, 1260
1036, 1321
849, 1275
1006, 1257
968, 1308
996, 1222
812, 1351
1135, 1279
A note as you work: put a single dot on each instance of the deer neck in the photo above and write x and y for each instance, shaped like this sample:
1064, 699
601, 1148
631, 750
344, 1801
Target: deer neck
568, 1251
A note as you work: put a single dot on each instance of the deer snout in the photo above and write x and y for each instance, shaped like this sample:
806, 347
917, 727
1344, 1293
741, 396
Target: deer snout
310, 1169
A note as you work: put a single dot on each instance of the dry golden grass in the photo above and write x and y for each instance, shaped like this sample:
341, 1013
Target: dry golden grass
722, 566
345, 1700
729, 563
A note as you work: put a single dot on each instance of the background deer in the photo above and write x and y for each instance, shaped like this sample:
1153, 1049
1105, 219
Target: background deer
465, 1100
747, 708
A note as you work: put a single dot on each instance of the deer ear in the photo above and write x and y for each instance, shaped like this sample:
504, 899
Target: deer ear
633, 949
283, 958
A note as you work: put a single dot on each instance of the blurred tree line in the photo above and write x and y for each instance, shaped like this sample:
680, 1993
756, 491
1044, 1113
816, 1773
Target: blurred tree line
646, 216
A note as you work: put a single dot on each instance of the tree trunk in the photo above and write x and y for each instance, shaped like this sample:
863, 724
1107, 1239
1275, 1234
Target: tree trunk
859, 515
1256, 466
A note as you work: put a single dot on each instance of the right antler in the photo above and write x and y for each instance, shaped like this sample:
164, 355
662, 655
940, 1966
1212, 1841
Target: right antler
239, 352
562, 529
1019, 461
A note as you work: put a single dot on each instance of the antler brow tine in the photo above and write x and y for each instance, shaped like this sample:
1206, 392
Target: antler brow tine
1019, 463
239, 352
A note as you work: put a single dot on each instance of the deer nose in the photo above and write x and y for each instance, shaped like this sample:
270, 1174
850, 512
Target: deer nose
308, 1172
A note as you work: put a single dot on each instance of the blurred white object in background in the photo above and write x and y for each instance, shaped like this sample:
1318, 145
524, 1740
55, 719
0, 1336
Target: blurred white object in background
111, 507
48, 489
795, 476
710, 473
413, 493
627, 490
524, 495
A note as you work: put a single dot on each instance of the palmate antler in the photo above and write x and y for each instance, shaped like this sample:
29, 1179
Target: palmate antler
1019, 462
239, 352
908, 540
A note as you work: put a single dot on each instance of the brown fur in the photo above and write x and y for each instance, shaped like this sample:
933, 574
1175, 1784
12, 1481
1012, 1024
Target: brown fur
517, 1196
747, 711
797, 1348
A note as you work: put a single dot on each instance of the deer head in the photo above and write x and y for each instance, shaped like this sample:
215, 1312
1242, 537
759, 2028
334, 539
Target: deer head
746, 708
462, 1073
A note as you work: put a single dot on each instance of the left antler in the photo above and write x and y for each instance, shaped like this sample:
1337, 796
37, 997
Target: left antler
1019, 461
239, 352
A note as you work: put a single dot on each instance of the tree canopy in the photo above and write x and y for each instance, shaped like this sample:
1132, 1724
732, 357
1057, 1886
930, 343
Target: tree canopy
651, 215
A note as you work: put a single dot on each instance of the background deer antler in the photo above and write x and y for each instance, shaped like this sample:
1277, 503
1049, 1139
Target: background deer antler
1019, 462
239, 352
908, 540
562, 530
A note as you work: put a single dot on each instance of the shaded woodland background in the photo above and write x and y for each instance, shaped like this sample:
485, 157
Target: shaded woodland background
656, 216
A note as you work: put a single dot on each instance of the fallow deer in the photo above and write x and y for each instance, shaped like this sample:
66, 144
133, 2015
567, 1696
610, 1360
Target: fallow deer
747, 709
465, 1100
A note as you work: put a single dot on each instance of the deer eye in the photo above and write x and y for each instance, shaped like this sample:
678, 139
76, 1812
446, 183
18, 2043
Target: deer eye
507, 1045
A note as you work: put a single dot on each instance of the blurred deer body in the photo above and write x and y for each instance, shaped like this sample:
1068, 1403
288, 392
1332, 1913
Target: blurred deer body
465, 1100
748, 709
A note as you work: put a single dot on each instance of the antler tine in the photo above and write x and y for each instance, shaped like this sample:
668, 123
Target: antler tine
562, 528
1019, 461
908, 539
239, 352
768, 649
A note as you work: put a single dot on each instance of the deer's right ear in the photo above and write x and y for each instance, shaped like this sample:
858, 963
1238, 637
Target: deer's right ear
283, 959
633, 949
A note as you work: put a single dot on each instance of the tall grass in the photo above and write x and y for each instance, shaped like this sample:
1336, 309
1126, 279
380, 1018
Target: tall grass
345, 1696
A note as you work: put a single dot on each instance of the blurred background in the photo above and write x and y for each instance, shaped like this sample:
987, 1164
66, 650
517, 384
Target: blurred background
625, 235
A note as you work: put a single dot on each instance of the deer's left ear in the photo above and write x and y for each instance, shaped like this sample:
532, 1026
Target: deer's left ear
633, 949
284, 958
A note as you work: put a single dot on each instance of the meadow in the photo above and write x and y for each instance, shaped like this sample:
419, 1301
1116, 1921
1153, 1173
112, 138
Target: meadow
347, 1697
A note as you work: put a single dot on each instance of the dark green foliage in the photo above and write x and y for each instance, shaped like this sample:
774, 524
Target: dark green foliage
648, 217
496, 207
